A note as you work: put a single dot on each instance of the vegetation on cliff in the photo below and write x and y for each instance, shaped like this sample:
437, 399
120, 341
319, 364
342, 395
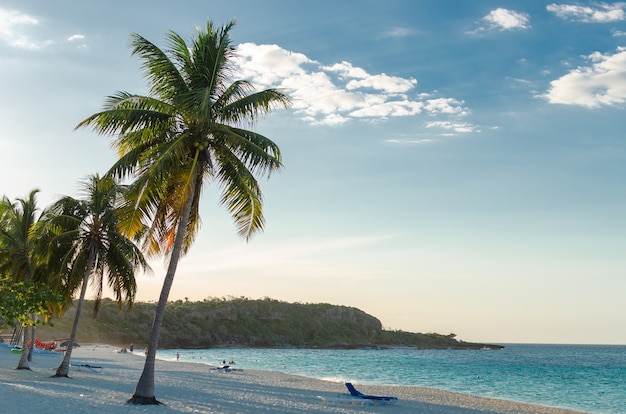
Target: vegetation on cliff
218, 322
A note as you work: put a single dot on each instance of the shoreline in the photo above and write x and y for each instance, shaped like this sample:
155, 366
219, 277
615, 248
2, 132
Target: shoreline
193, 387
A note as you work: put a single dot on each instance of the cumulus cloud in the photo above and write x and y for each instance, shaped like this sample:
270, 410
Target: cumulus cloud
597, 13
448, 106
11, 24
504, 19
340, 92
358, 78
601, 83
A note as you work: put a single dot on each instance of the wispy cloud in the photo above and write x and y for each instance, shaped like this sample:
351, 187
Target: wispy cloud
399, 32
16, 27
12, 23
601, 83
78, 41
337, 93
453, 127
434, 131
75, 37
597, 13
503, 20
413, 141
291, 256
618, 33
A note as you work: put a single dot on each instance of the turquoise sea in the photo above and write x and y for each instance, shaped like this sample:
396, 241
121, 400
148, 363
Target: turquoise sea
589, 378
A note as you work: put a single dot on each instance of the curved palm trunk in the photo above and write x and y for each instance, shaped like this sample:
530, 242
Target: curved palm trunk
23, 362
144, 391
64, 369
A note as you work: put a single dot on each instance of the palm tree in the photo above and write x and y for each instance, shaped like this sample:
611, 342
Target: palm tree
188, 130
88, 246
18, 252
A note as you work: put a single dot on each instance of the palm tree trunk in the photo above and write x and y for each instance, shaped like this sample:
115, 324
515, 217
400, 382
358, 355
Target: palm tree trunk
23, 362
144, 391
32, 336
64, 369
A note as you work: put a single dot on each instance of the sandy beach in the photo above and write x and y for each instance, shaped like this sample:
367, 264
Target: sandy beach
197, 388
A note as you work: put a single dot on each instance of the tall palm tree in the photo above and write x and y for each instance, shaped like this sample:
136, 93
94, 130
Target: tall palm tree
187, 131
18, 251
89, 247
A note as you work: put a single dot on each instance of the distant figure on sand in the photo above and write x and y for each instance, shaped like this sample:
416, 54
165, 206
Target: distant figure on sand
131, 348
177, 356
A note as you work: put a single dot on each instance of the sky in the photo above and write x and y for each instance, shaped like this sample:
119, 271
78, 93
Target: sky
449, 166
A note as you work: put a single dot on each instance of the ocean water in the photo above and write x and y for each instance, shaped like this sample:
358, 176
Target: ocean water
589, 378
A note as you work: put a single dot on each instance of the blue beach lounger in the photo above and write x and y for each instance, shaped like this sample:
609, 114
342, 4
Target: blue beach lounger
88, 367
374, 398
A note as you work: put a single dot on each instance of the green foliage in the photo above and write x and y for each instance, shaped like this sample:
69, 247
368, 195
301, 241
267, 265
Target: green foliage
86, 239
217, 322
25, 282
19, 300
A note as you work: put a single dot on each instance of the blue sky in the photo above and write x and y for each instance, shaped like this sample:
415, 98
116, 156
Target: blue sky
450, 166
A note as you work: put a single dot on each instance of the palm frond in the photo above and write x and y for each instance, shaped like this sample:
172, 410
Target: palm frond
241, 195
240, 108
162, 74
188, 131
260, 154
124, 112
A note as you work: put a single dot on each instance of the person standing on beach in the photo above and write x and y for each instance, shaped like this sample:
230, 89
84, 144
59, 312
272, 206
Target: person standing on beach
177, 356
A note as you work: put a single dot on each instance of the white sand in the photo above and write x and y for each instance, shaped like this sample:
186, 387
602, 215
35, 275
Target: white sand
196, 388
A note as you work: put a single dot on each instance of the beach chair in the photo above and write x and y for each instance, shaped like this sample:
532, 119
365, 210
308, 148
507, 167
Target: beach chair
87, 367
227, 368
372, 398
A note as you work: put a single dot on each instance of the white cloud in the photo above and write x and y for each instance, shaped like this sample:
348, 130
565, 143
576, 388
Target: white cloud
11, 21
15, 29
383, 82
359, 78
598, 13
503, 19
75, 37
389, 109
602, 83
445, 106
268, 64
337, 93
437, 129
416, 141
453, 127
399, 32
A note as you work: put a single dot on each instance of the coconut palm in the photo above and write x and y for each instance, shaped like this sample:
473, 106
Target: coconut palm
88, 247
19, 257
187, 131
